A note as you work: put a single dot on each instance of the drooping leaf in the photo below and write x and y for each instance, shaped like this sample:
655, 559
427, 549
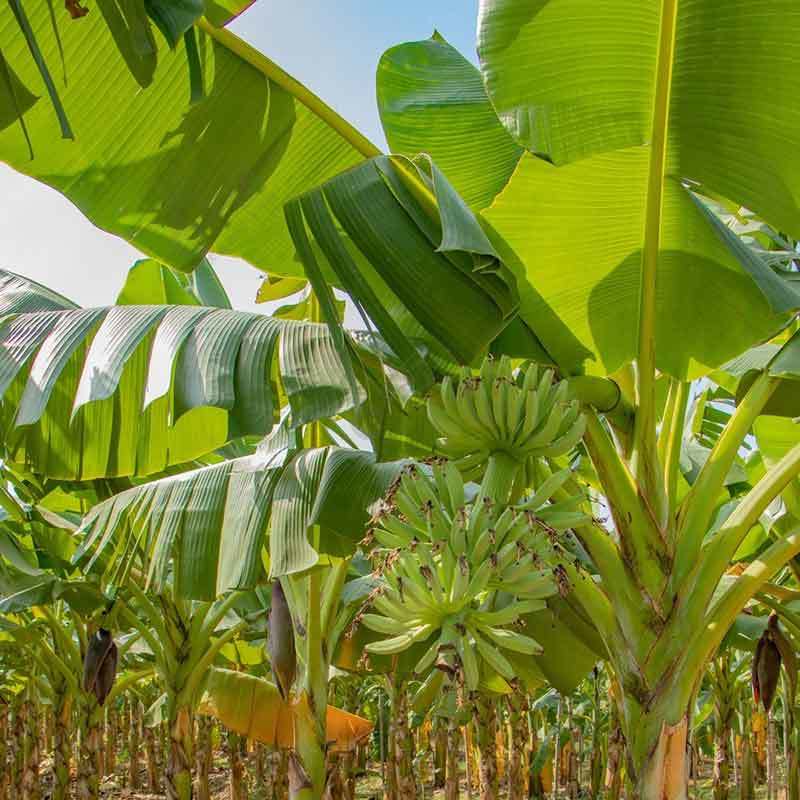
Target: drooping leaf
205, 527
131, 389
332, 488
421, 249
252, 707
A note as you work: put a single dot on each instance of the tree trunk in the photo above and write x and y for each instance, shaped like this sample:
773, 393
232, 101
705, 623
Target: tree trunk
31, 786
204, 759
451, 761
747, 784
615, 750
89, 765
348, 768
597, 759
18, 749
5, 767
557, 750
334, 789
722, 760
724, 711
134, 736
181, 752
151, 757
280, 781
535, 784
517, 760
112, 737
772, 759
663, 774
439, 734
306, 766
403, 744
238, 789
62, 746
485, 719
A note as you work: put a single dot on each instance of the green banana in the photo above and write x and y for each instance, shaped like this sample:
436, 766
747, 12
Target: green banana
492, 656
389, 647
511, 640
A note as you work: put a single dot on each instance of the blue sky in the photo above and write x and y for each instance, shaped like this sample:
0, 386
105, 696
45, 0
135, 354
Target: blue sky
332, 47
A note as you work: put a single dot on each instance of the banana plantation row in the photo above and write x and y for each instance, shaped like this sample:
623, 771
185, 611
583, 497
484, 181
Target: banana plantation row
563, 446
410, 753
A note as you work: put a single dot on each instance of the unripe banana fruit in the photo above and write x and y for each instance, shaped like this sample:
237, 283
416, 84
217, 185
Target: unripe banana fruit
457, 576
525, 415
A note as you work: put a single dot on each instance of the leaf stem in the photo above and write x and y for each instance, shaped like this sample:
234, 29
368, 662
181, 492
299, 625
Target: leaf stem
644, 429
698, 505
296, 89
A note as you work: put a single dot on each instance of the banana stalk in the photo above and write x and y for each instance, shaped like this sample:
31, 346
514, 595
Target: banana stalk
31, 786
451, 766
485, 718
134, 729
204, 757
151, 758
403, 742
724, 710
238, 788
62, 745
518, 750
181, 753
90, 756
110, 758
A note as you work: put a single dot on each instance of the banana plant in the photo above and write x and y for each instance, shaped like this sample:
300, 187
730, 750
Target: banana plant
591, 162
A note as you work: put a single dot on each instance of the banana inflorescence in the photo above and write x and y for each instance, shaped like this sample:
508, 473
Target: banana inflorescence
100, 665
459, 575
772, 650
526, 415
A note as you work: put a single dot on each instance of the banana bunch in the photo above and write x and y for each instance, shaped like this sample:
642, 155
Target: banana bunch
527, 415
461, 574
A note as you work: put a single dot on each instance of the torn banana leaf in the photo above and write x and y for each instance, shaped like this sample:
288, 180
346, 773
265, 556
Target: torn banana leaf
130, 390
206, 528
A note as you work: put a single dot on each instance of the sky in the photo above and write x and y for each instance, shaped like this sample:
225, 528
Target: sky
332, 47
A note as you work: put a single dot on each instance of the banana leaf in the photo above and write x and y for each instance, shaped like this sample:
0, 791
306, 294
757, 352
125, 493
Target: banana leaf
130, 390
253, 707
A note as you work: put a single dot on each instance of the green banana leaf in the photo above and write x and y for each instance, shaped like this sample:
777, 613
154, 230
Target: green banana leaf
401, 241
332, 488
173, 177
566, 659
20, 592
574, 82
206, 529
429, 98
151, 283
781, 359
19, 295
129, 390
